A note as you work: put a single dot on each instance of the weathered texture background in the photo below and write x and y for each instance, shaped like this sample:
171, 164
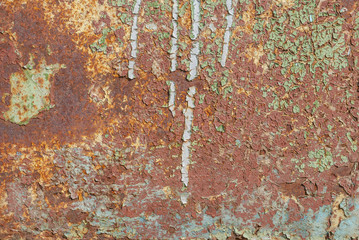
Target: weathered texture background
179, 119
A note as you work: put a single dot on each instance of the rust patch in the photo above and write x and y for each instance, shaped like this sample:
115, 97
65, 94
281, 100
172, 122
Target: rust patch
273, 141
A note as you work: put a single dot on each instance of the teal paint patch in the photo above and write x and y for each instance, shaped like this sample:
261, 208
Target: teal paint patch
312, 225
349, 227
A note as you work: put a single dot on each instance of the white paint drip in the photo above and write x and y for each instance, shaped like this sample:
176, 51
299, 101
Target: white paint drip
194, 35
133, 39
184, 198
174, 39
227, 34
193, 61
185, 162
172, 97
188, 114
196, 4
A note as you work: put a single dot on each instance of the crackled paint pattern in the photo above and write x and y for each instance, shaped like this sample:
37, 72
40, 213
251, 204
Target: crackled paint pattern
230, 119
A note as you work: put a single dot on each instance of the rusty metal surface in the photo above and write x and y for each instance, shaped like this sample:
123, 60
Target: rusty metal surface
175, 119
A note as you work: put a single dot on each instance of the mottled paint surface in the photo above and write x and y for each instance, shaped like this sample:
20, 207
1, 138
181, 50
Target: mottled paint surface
270, 132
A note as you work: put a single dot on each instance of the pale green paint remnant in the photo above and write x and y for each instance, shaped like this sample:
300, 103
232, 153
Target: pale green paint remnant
201, 98
296, 109
30, 89
344, 158
299, 165
354, 144
220, 128
323, 159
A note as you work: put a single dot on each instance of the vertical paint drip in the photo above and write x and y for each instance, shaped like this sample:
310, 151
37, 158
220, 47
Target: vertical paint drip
133, 40
174, 39
188, 114
227, 34
193, 61
196, 5
172, 97
195, 8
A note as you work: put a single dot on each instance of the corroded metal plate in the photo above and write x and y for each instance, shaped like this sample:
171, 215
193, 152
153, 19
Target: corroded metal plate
179, 119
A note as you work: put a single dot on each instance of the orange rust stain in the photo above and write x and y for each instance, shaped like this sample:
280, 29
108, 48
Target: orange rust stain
74, 115
208, 110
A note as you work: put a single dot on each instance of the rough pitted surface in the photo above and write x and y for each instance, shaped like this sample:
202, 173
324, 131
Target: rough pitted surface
168, 119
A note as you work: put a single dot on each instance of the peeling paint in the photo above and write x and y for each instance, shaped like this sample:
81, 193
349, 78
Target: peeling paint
269, 151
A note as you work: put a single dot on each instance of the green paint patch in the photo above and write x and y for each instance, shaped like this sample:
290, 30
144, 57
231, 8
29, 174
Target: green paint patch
299, 165
323, 159
101, 45
296, 109
201, 98
344, 159
30, 91
220, 128
118, 3
354, 146
297, 55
